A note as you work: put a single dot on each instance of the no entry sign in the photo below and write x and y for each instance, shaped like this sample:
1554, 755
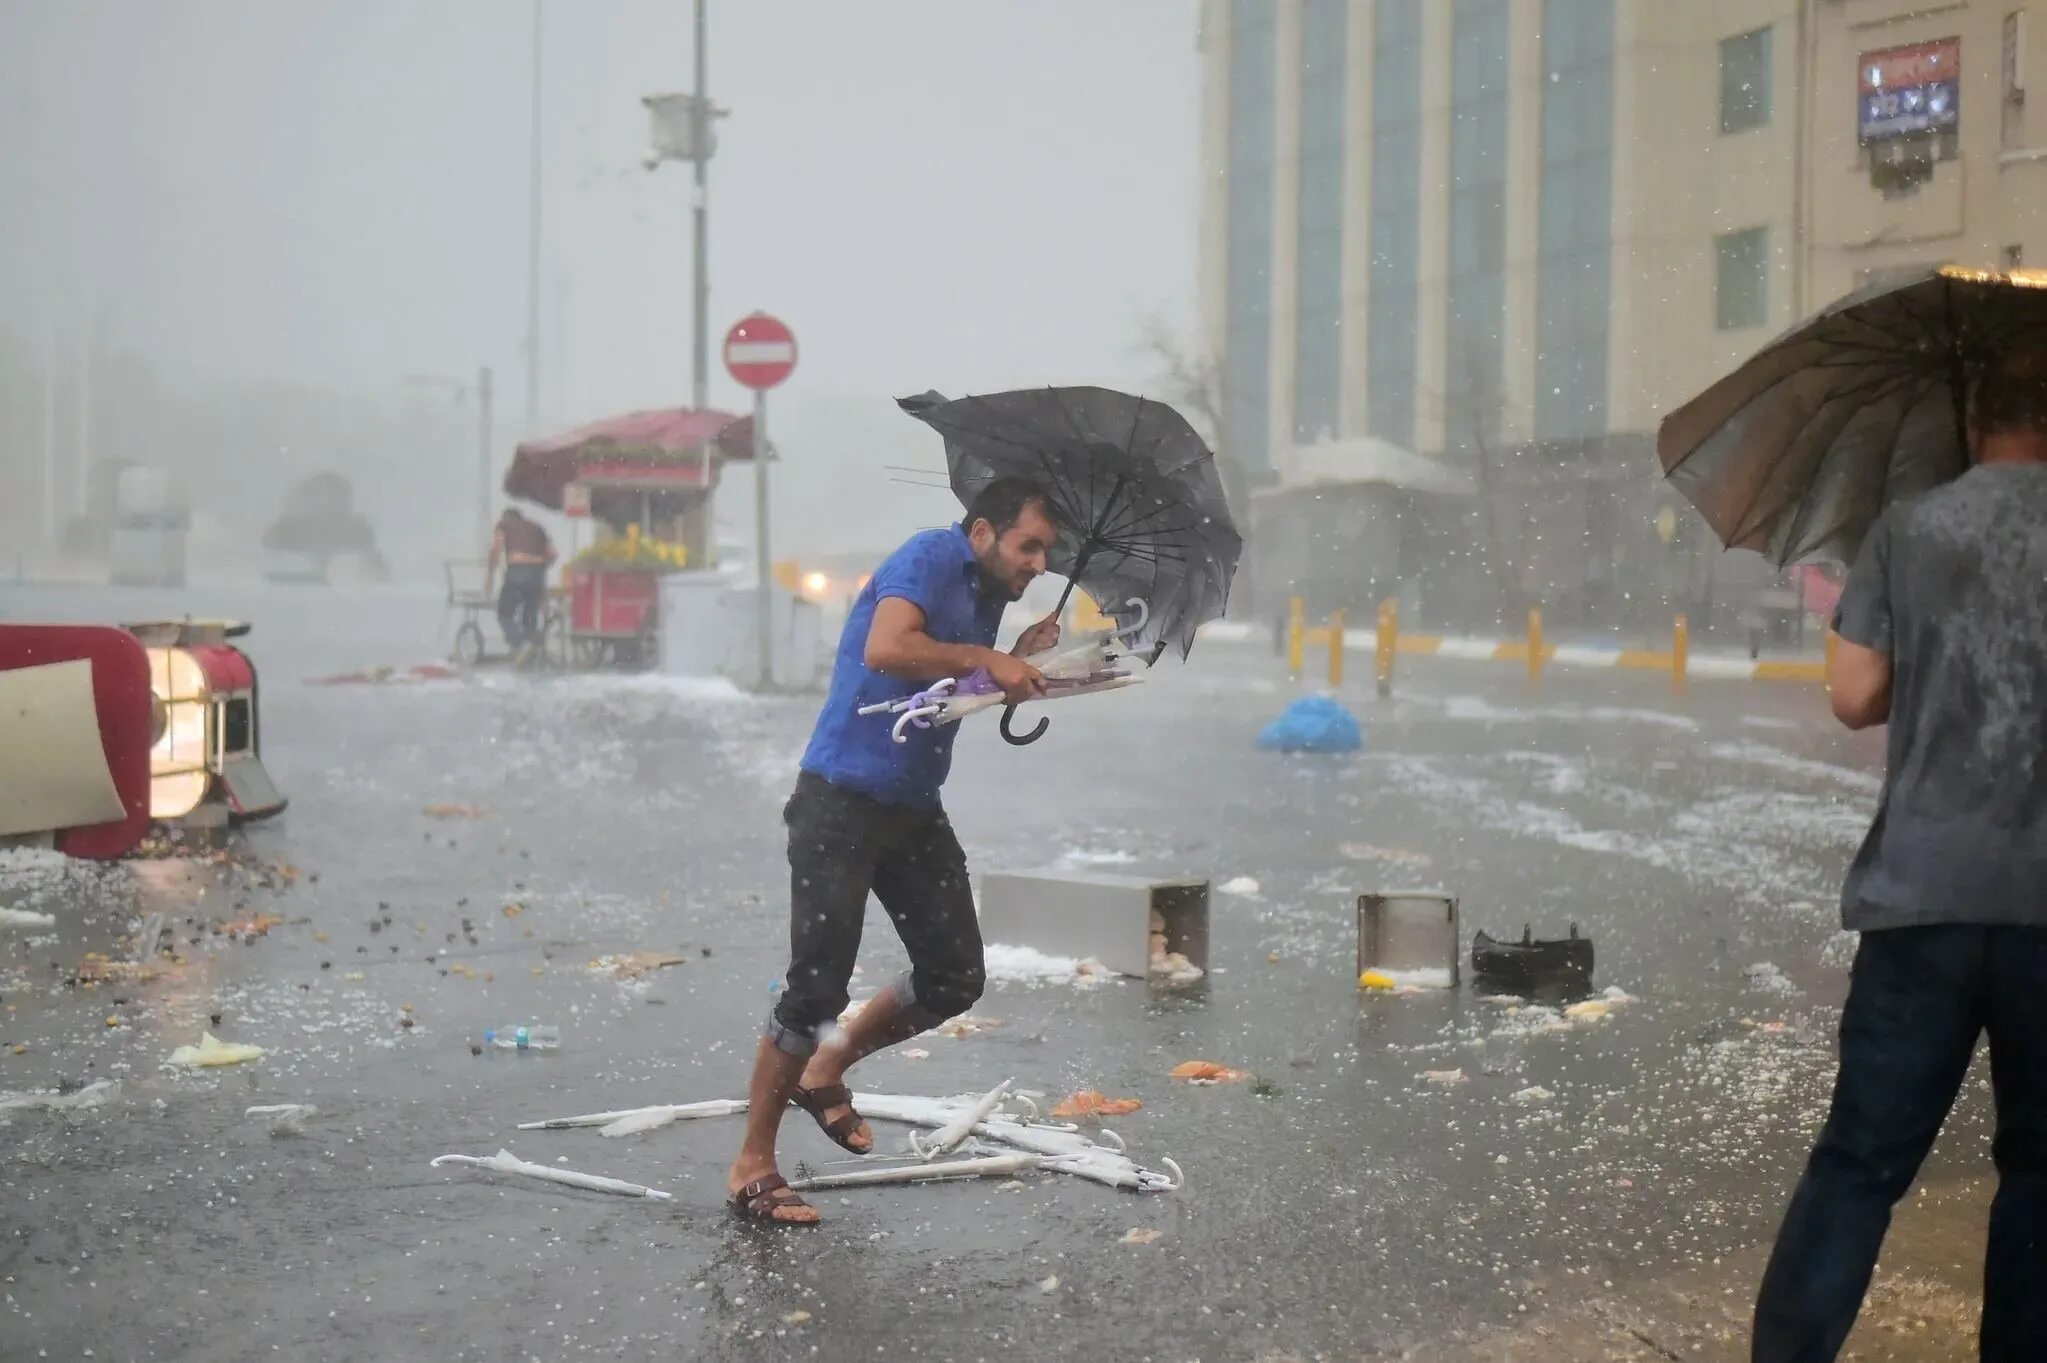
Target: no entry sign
760, 351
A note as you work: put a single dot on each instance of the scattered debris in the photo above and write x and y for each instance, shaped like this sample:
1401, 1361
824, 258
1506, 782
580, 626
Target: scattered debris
1242, 885
966, 1025
26, 918
1404, 981
1591, 1010
1768, 979
513, 910
1529, 1097
1446, 1078
1175, 968
1392, 856
284, 1119
422, 672
633, 964
953, 1133
93, 1095
915, 1053
1140, 1237
1029, 967
454, 811
212, 1051
1529, 965
1093, 1105
505, 1162
1050, 1284
1208, 1072
796, 1318
980, 1166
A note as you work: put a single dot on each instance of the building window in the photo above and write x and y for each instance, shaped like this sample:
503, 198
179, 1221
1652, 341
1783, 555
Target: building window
1574, 288
1247, 300
1478, 221
1745, 81
1742, 292
1319, 297
1394, 293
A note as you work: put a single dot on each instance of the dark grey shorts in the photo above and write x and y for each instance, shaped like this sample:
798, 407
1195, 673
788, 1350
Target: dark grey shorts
842, 846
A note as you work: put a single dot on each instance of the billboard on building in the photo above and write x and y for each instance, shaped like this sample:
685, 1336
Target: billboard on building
1910, 91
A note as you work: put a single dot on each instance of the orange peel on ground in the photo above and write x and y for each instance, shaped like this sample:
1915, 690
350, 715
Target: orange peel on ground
1092, 1103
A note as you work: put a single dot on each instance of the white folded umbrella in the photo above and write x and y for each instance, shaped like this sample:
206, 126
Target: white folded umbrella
505, 1162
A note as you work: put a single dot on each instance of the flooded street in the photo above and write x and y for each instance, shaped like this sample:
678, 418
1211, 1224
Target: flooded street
1407, 1171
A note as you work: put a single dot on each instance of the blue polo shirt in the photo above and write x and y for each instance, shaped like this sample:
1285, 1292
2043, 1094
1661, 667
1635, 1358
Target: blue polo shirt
936, 572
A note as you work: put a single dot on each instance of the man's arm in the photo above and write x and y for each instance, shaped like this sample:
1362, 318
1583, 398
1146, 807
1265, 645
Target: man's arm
490, 565
1859, 684
898, 645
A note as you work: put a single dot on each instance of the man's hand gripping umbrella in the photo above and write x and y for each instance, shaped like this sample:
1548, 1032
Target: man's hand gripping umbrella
1090, 667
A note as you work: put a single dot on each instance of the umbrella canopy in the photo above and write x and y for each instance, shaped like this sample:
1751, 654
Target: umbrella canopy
1796, 453
1139, 502
673, 437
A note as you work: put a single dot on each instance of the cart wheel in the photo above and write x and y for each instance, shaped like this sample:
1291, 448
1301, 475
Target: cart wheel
588, 653
469, 644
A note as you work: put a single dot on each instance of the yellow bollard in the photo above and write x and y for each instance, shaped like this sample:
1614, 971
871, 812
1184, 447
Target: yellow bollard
1336, 650
1388, 644
1827, 675
1535, 658
1680, 653
1295, 629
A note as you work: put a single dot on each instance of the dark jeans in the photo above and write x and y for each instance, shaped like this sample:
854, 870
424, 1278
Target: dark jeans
1918, 1000
842, 845
519, 602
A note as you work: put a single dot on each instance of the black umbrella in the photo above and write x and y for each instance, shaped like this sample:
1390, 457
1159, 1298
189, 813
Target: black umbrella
1798, 452
1141, 512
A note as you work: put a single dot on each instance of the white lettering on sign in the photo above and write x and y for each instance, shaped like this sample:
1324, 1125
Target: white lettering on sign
760, 352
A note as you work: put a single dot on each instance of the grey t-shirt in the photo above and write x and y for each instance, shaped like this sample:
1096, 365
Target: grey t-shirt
1953, 586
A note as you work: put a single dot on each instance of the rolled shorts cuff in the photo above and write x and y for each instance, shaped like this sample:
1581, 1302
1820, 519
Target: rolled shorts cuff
788, 1040
904, 990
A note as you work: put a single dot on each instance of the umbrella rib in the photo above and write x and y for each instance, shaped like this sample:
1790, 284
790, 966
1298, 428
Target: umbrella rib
1746, 522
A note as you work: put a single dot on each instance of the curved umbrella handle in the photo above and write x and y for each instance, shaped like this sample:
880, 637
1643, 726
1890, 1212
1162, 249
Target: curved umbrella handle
1143, 618
1022, 740
921, 717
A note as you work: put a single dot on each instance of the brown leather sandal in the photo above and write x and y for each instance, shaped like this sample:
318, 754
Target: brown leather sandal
818, 1101
760, 1199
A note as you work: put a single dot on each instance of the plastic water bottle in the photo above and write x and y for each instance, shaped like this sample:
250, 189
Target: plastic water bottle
524, 1036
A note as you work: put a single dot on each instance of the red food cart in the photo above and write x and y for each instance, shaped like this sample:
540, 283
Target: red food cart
644, 481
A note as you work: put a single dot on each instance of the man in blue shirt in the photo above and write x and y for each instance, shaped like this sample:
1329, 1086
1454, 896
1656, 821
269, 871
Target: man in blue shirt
866, 817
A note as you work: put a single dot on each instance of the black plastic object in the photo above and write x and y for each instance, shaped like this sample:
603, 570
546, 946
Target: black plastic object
1528, 965
1022, 740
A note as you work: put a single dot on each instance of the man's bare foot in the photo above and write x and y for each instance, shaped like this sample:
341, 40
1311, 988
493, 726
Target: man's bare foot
861, 1139
786, 1206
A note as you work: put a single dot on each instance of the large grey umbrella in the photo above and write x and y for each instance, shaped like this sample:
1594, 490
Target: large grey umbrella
1139, 502
1798, 452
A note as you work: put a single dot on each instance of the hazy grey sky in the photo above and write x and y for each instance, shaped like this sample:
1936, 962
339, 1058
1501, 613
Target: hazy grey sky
961, 194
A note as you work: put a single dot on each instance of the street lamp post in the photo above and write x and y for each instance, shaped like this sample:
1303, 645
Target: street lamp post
681, 129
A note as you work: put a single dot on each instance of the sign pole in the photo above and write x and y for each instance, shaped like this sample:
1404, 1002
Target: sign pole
762, 552
760, 352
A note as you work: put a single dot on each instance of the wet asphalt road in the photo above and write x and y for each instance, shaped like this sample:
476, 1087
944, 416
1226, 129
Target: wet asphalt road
1346, 1207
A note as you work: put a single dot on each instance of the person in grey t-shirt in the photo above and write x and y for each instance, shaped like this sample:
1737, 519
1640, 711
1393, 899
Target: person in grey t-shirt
1943, 634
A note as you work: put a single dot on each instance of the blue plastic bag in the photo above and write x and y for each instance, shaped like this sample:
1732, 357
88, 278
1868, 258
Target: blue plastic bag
1314, 724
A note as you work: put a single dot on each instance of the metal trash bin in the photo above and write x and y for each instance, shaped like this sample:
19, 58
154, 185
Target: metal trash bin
1100, 916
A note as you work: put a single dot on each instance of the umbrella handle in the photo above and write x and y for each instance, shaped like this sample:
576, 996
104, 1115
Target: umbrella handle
921, 717
1022, 740
1143, 618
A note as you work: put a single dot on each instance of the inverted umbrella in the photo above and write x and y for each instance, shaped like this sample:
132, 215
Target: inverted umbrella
1798, 452
1140, 505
